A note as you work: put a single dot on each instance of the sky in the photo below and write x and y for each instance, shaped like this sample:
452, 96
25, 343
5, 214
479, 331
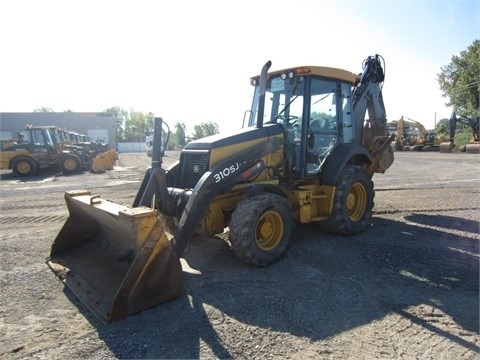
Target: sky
190, 61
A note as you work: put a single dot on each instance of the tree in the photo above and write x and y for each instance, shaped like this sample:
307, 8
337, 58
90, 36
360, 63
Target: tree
138, 126
133, 126
121, 117
179, 136
442, 127
205, 129
460, 81
43, 109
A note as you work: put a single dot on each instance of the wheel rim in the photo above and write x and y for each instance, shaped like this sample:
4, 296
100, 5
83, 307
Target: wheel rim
269, 230
356, 202
24, 167
69, 164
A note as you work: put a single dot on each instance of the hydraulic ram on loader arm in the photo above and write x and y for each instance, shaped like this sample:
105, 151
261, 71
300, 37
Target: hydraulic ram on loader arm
117, 259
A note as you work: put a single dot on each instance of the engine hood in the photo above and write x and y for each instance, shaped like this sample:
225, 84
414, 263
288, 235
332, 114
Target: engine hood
236, 137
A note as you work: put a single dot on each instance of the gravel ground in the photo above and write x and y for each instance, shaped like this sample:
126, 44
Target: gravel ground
406, 288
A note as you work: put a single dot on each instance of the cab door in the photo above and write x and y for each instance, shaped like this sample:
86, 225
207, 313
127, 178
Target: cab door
324, 125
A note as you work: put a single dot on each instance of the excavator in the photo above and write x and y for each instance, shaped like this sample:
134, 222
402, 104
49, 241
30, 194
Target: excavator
433, 140
410, 141
310, 145
473, 146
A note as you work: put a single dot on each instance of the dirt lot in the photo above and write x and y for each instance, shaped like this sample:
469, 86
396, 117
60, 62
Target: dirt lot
406, 288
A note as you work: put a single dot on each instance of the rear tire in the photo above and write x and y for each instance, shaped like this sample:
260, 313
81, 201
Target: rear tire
353, 202
24, 166
261, 228
70, 164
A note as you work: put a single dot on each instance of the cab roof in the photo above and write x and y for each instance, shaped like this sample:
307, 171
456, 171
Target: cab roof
323, 71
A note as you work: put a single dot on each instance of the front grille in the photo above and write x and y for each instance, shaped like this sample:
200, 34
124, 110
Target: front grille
194, 165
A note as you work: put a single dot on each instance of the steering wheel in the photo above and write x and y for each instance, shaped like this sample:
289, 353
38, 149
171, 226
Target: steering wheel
291, 120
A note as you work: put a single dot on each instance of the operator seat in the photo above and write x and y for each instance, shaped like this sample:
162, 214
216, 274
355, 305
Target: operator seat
316, 125
316, 130
318, 144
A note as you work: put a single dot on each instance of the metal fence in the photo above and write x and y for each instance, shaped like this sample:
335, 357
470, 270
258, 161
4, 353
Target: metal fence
131, 147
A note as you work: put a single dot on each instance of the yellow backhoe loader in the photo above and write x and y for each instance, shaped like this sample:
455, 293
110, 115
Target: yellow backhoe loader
306, 154
40, 147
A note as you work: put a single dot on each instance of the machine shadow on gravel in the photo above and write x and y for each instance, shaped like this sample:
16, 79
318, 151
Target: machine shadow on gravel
325, 285
445, 222
42, 175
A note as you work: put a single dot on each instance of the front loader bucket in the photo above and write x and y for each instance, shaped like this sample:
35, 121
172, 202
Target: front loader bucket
108, 158
116, 259
97, 165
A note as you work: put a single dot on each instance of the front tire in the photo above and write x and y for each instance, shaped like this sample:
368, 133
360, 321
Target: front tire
261, 228
353, 203
70, 164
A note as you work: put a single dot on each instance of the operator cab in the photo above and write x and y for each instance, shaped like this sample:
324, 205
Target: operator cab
314, 110
37, 139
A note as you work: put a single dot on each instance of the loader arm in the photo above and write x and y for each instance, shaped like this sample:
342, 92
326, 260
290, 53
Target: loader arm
209, 185
149, 185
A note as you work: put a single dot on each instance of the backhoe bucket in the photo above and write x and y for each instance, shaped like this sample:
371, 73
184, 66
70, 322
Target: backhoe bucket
472, 148
446, 147
116, 259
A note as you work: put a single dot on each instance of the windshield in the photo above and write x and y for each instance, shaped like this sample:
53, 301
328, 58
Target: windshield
283, 101
54, 136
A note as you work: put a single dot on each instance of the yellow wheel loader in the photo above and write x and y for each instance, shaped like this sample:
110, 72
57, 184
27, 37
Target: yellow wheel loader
306, 154
95, 157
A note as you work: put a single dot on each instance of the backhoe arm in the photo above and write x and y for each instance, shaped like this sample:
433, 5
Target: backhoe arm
367, 96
